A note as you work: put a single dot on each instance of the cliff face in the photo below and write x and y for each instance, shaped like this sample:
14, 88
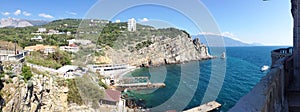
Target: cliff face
161, 50
40, 94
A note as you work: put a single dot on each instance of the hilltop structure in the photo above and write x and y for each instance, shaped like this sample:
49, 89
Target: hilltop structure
131, 25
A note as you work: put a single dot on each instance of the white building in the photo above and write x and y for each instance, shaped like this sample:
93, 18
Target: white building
38, 38
49, 50
69, 33
71, 48
131, 25
79, 41
42, 30
70, 71
108, 70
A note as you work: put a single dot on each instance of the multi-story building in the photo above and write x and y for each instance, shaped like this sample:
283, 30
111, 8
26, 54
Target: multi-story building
131, 25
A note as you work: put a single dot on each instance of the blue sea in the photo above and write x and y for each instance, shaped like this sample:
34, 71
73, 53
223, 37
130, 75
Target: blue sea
223, 80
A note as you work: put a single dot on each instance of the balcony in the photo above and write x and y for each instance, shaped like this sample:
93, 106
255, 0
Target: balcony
281, 53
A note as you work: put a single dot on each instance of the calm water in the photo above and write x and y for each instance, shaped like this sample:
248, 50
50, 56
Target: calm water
242, 73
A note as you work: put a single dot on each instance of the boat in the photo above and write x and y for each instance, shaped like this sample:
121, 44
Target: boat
223, 56
264, 68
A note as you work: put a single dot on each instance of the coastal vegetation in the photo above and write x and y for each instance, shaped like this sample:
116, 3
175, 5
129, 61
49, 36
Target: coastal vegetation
82, 90
110, 34
26, 73
73, 93
143, 44
89, 91
115, 35
53, 60
103, 85
23, 35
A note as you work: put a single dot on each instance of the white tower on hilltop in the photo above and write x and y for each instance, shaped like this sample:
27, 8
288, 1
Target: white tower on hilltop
131, 25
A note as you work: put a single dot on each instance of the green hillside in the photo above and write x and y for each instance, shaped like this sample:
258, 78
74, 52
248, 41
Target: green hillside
103, 32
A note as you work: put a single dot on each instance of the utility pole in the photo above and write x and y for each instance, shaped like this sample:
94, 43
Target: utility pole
15, 43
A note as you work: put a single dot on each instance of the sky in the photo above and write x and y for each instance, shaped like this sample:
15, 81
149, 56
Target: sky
266, 22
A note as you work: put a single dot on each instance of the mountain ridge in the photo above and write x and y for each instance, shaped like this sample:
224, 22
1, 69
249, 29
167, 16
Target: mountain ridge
228, 42
15, 22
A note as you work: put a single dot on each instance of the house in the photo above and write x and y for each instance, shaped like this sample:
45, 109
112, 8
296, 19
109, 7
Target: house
42, 30
37, 38
71, 48
79, 41
56, 32
111, 97
69, 33
49, 49
46, 49
51, 31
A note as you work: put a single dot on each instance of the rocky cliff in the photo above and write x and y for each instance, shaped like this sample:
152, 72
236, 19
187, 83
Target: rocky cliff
43, 93
157, 50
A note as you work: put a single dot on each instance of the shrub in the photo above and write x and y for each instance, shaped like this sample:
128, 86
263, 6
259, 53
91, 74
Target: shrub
26, 73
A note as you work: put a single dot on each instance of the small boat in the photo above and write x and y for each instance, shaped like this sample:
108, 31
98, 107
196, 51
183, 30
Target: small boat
264, 68
223, 56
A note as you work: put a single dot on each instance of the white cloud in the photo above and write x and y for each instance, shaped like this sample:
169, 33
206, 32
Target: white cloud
118, 21
209, 33
71, 13
18, 12
227, 34
26, 13
46, 16
144, 20
5, 13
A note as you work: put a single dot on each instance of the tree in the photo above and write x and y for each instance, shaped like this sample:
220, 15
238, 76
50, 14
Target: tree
26, 73
61, 57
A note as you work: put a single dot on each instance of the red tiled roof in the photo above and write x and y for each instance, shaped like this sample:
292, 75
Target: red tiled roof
112, 95
73, 45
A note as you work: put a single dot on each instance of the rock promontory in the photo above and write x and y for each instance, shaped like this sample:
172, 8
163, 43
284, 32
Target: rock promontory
154, 47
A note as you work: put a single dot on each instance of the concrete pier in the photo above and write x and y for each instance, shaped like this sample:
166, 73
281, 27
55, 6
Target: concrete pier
205, 107
137, 83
